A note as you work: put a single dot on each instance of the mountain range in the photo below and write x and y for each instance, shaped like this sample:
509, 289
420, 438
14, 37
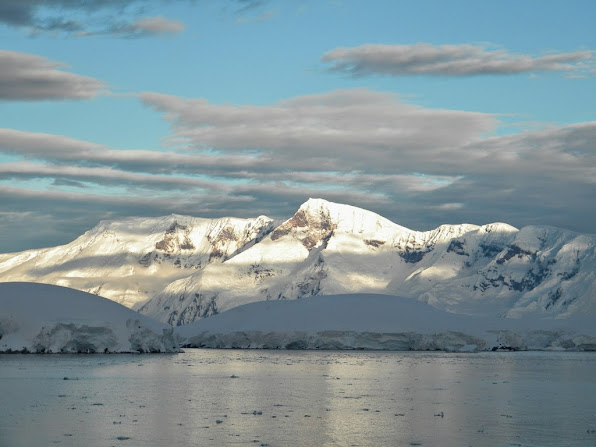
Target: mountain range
179, 269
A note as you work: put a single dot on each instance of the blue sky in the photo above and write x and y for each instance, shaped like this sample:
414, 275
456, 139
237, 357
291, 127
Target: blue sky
426, 112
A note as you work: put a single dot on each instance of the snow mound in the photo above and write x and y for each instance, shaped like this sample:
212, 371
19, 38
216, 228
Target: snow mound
50, 319
382, 322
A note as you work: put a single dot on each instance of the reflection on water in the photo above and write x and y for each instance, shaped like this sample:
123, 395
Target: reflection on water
278, 398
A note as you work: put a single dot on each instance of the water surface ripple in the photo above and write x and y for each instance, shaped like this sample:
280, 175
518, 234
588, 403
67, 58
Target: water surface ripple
300, 398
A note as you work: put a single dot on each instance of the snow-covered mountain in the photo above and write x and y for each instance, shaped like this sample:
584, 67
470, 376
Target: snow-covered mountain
192, 268
327, 248
130, 260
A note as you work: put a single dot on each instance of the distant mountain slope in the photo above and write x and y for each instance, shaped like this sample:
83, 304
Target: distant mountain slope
47, 318
130, 260
180, 269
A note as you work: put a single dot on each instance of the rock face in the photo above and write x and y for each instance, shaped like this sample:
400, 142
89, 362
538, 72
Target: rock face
180, 269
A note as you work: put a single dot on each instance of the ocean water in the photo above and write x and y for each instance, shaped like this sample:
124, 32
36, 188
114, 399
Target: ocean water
299, 398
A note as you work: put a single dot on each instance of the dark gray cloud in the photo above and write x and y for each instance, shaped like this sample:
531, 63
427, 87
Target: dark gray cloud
93, 17
80, 175
65, 150
29, 77
32, 218
449, 60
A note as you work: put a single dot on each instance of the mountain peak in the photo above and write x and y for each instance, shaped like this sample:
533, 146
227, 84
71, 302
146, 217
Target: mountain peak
317, 220
318, 207
343, 217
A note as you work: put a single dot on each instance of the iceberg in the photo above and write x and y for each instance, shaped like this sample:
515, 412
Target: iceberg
43, 318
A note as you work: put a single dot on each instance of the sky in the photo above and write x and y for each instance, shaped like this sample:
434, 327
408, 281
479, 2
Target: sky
426, 112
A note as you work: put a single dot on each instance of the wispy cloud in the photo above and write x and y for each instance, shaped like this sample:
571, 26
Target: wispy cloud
105, 176
65, 150
449, 60
29, 77
267, 15
244, 6
147, 26
64, 16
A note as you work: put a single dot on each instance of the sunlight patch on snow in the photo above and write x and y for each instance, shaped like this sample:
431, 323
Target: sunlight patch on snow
366, 282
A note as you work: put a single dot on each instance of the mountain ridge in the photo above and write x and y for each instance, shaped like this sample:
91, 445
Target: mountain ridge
179, 268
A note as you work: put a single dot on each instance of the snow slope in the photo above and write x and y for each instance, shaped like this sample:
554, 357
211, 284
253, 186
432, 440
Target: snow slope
130, 260
48, 318
367, 321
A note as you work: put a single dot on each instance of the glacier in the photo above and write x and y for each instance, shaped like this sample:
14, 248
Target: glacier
379, 322
43, 318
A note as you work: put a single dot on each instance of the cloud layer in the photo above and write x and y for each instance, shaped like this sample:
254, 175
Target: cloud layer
448, 60
84, 18
29, 77
418, 166
363, 129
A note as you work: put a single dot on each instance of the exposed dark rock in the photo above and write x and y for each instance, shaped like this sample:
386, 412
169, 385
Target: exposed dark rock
553, 298
490, 250
568, 275
199, 307
298, 220
319, 228
514, 250
216, 254
187, 244
145, 261
457, 247
260, 273
413, 256
171, 240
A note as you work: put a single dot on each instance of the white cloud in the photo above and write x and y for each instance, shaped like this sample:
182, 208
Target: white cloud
29, 77
101, 176
158, 25
448, 60
449, 206
148, 26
